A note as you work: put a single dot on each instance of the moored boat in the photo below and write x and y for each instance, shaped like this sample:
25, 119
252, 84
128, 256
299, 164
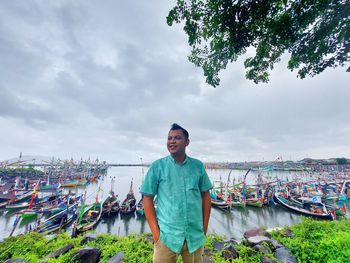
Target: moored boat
89, 217
129, 204
111, 205
307, 207
57, 221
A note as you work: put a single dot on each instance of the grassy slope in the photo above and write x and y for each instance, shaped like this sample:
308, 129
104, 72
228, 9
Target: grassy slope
312, 241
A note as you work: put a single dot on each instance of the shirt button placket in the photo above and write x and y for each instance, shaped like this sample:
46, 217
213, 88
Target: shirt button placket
185, 203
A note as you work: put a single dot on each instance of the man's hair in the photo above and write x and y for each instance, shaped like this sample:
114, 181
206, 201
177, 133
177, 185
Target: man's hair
176, 126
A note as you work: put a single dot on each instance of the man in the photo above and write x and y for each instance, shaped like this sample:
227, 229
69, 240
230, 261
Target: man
181, 186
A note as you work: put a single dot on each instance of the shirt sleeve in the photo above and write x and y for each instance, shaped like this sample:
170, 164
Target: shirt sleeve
205, 184
150, 183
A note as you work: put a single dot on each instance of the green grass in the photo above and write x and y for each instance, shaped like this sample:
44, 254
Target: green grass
318, 241
312, 241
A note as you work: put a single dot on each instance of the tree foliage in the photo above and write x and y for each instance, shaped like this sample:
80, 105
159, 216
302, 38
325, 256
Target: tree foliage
315, 33
341, 161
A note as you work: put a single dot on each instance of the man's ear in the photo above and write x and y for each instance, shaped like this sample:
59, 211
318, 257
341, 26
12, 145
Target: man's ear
188, 142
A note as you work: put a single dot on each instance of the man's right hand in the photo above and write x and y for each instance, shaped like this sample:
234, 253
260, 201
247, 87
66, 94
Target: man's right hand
150, 213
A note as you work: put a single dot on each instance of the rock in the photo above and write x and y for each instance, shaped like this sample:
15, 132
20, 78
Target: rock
288, 233
87, 255
231, 241
229, 252
15, 260
256, 232
251, 252
284, 255
207, 252
60, 251
261, 248
274, 244
265, 259
117, 258
218, 245
89, 237
252, 241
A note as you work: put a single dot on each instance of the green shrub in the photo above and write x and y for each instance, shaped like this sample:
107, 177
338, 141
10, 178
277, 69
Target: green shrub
318, 241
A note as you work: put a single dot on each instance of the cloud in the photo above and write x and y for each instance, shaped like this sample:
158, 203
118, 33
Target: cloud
106, 80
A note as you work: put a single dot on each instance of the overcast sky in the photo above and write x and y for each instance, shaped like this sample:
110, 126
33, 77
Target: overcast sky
107, 78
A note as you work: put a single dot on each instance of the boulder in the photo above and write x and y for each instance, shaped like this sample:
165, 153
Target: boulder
274, 244
89, 237
252, 241
87, 255
218, 245
229, 252
60, 251
261, 248
284, 255
118, 258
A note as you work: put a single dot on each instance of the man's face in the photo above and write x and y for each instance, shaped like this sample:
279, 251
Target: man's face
177, 142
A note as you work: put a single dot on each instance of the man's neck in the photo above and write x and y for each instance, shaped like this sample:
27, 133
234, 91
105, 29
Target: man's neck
179, 158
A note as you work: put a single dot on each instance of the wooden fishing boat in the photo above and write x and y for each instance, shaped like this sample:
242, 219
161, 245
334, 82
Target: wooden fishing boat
50, 187
57, 221
35, 203
17, 206
74, 183
140, 210
4, 204
52, 206
237, 199
129, 204
218, 201
255, 202
218, 198
89, 217
255, 197
16, 201
111, 205
67, 200
307, 207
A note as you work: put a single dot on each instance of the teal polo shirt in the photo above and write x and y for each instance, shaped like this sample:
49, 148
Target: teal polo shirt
178, 191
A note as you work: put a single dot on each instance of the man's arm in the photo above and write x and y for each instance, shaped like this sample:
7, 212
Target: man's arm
206, 207
150, 213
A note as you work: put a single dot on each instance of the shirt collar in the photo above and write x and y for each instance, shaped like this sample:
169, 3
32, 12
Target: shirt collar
175, 162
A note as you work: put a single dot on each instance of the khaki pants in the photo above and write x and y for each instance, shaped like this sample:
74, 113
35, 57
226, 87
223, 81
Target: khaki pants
162, 254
